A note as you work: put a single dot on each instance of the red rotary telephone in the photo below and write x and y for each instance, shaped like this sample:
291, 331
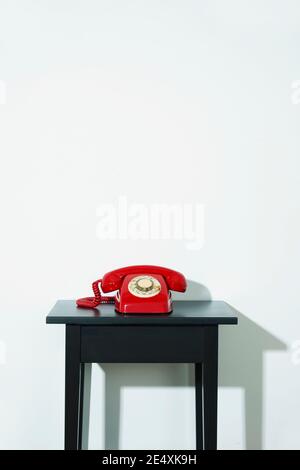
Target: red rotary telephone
141, 289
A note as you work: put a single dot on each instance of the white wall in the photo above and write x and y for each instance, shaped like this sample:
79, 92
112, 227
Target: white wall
167, 102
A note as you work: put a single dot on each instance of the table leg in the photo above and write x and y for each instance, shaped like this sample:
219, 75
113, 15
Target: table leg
199, 406
85, 397
73, 387
210, 387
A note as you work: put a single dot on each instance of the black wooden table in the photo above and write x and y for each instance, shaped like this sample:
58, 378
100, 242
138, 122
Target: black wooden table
188, 335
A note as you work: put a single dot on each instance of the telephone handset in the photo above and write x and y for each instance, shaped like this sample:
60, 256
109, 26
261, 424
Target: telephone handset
140, 289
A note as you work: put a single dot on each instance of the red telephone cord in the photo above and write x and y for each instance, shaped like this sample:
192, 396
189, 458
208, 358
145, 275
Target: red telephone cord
93, 302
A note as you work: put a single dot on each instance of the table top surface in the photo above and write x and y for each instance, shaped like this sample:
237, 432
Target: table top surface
188, 312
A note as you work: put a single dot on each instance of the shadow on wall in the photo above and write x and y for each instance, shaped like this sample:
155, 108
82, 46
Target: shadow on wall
241, 365
136, 375
241, 351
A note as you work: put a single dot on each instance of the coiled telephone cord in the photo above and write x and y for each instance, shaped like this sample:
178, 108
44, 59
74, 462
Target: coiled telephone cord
93, 302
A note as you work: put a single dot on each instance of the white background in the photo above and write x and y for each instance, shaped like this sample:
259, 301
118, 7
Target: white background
167, 101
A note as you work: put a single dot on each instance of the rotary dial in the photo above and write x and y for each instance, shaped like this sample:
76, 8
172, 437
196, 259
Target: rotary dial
144, 286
